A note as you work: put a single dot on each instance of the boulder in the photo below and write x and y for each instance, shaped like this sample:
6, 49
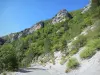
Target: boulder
61, 16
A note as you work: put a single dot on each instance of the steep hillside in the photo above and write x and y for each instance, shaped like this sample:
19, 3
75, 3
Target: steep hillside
67, 32
16, 36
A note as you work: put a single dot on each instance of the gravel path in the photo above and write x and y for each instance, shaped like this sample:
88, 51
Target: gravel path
87, 67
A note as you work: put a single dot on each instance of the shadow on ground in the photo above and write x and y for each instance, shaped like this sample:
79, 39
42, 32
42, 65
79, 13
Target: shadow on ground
23, 71
29, 70
35, 69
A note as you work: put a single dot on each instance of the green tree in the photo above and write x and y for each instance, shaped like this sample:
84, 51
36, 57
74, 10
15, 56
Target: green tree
8, 59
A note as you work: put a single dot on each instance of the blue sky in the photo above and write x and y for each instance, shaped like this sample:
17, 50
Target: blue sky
16, 15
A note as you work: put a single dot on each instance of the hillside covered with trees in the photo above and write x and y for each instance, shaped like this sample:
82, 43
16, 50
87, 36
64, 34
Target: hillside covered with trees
54, 35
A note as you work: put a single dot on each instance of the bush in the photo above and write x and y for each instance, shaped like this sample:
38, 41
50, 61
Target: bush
64, 59
94, 43
92, 46
87, 53
72, 63
8, 59
80, 41
72, 52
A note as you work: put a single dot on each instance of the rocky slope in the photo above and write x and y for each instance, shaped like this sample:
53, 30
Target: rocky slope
54, 43
87, 67
86, 8
61, 16
15, 36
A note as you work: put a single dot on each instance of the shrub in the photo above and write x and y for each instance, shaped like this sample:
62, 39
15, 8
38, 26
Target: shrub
80, 41
87, 53
88, 21
64, 59
8, 59
94, 43
92, 46
72, 63
72, 52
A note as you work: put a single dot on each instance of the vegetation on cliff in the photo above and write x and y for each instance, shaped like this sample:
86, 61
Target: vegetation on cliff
51, 38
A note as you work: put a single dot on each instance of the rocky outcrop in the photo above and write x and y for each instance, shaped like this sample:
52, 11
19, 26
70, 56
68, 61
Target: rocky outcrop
2, 41
36, 27
92, 3
15, 36
86, 8
61, 16
30, 30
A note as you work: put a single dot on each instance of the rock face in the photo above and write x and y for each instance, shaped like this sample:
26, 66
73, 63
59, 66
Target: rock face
15, 36
86, 8
2, 41
92, 3
36, 27
61, 16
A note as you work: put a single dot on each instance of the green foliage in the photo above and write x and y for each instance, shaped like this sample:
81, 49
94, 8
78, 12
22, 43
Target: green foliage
8, 60
92, 46
72, 63
93, 41
72, 52
64, 59
47, 45
95, 3
80, 41
87, 53
88, 21
50, 38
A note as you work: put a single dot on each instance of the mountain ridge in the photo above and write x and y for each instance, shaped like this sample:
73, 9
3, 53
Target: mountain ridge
61, 16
